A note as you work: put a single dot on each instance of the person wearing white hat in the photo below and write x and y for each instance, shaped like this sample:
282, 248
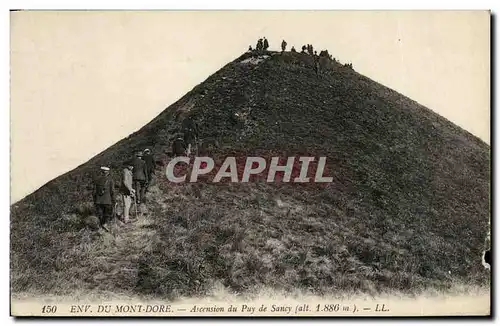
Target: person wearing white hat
104, 196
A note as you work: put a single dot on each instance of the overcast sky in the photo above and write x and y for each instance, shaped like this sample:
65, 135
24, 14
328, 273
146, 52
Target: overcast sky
80, 81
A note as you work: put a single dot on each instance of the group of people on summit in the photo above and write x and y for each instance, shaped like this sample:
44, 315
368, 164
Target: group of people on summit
263, 45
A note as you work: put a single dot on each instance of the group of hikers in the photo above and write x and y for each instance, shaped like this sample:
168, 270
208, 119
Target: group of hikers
138, 173
136, 177
263, 45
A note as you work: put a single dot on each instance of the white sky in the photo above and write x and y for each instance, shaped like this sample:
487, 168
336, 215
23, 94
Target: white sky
80, 81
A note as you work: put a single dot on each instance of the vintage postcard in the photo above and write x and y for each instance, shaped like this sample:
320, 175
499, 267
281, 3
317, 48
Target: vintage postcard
250, 163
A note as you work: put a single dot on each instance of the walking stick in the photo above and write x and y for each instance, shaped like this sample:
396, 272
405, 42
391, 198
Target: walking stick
114, 218
135, 204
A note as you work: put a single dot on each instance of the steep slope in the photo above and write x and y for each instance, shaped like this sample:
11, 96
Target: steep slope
408, 208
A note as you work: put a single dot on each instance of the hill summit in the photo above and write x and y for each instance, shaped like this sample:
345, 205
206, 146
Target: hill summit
407, 209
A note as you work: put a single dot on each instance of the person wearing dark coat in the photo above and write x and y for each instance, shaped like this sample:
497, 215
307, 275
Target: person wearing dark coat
283, 46
140, 177
259, 45
178, 147
310, 49
190, 131
104, 197
316, 65
266, 44
150, 165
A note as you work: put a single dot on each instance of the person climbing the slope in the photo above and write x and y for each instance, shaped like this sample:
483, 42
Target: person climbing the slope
266, 44
150, 166
104, 197
178, 146
139, 177
316, 65
190, 130
127, 191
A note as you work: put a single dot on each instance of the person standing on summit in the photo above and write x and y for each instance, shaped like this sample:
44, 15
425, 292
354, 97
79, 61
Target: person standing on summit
104, 197
283, 46
266, 44
139, 177
259, 45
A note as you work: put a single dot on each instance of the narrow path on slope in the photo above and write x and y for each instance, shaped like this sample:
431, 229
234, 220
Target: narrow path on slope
121, 249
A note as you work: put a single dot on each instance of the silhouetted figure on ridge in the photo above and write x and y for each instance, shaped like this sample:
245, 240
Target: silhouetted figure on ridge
310, 49
266, 44
260, 45
250, 48
283, 46
303, 49
293, 49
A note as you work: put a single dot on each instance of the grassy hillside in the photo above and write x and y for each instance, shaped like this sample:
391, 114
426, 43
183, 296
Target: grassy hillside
408, 208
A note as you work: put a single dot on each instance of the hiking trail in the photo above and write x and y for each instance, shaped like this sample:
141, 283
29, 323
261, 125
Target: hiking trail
125, 244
